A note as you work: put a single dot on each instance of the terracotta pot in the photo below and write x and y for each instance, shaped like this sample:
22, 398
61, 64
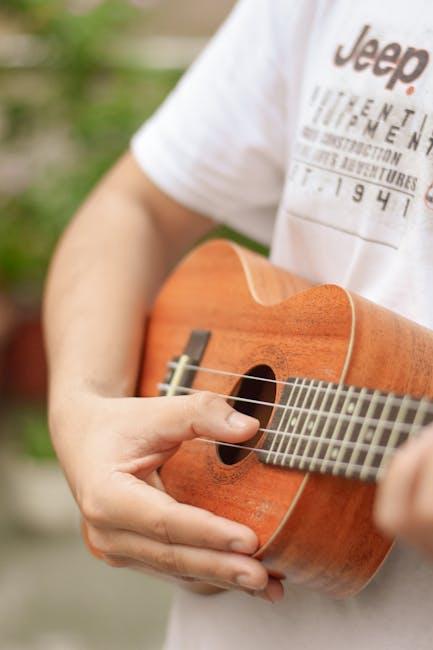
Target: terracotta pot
24, 366
8, 316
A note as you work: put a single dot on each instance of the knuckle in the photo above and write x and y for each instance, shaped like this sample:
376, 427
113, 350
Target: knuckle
178, 563
203, 401
168, 561
160, 528
100, 541
94, 537
228, 574
92, 511
165, 561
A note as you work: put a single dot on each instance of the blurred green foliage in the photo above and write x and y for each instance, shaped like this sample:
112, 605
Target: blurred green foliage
75, 101
77, 105
25, 430
82, 105
31, 427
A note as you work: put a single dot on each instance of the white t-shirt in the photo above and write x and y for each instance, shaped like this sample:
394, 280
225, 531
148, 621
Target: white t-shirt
309, 125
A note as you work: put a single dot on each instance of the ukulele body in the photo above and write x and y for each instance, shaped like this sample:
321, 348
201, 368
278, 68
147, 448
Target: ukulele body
315, 529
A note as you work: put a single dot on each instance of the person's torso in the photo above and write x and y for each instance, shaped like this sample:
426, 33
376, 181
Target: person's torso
357, 207
357, 210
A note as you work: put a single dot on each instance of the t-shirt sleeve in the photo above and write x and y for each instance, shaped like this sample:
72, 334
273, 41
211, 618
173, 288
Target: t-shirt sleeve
217, 144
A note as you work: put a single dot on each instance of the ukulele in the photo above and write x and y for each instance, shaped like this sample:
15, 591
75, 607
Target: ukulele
337, 384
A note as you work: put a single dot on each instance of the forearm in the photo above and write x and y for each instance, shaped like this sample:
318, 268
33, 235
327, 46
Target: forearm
97, 293
104, 275
101, 281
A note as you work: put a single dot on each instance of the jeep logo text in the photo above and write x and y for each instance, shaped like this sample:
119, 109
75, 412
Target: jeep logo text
391, 60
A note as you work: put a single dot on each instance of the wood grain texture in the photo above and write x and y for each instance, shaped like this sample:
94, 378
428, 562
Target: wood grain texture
315, 529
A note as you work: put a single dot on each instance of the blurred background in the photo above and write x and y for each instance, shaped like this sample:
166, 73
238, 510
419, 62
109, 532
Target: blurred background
77, 77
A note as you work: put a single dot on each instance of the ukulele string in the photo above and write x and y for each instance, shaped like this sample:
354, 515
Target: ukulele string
349, 444
374, 471
410, 402
401, 426
321, 442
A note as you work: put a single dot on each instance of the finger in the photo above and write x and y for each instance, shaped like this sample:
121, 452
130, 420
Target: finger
133, 505
274, 591
122, 562
422, 500
395, 490
175, 419
85, 534
418, 525
176, 560
154, 480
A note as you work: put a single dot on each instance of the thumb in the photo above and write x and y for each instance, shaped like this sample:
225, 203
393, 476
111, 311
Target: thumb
203, 414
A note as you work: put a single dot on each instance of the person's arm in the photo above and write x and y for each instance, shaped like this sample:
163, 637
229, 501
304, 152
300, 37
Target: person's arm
104, 275
110, 262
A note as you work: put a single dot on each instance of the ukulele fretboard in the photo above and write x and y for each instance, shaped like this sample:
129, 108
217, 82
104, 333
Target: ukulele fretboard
340, 430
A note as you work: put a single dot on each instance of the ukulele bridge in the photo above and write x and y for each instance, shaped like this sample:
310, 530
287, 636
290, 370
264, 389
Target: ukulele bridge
180, 374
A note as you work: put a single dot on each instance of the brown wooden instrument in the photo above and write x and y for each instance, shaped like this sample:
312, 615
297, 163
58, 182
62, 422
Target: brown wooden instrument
336, 382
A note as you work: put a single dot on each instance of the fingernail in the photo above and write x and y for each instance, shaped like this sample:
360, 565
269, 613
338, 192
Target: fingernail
261, 594
238, 420
275, 592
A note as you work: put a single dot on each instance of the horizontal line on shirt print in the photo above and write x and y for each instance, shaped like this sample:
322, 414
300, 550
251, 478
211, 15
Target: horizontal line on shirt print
343, 230
355, 178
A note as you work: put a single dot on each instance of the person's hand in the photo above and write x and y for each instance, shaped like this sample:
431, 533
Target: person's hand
110, 449
404, 502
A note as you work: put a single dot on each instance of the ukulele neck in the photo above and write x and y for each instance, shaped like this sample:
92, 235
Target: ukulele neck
340, 430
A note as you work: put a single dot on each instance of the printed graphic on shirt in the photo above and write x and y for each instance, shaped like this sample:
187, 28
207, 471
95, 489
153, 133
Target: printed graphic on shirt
365, 146
389, 60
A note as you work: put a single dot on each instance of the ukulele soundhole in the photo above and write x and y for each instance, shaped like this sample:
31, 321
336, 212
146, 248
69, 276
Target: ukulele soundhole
257, 388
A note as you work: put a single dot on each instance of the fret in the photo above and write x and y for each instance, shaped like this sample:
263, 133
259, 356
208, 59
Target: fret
408, 415
292, 421
368, 463
308, 423
329, 419
297, 423
421, 418
354, 434
334, 442
278, 421
397, 436
351, 435
327, 395
426, 415
366, 432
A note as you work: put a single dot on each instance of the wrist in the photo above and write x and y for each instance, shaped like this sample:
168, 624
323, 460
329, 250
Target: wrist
66, 404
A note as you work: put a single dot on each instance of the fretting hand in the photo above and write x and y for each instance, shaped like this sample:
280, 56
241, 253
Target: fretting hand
404, 503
